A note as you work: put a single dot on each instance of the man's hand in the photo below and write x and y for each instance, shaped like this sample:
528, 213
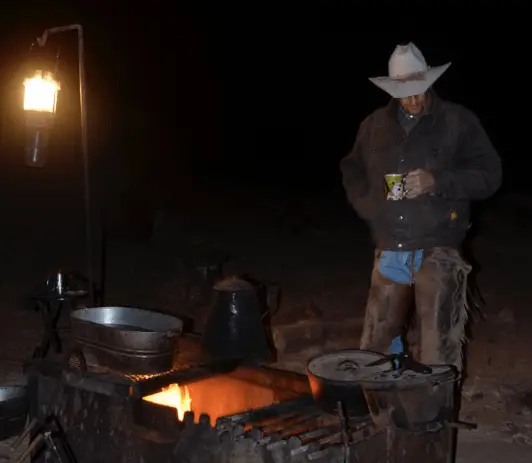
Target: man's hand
418, 182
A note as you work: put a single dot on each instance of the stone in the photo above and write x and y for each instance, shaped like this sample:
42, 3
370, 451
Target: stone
296, 337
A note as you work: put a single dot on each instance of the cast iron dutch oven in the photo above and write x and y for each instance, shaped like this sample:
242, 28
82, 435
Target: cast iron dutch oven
333, 378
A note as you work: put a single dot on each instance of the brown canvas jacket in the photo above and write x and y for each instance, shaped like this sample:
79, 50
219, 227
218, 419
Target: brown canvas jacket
448, 141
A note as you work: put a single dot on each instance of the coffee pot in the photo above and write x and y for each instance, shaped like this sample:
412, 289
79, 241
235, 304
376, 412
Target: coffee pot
236, 328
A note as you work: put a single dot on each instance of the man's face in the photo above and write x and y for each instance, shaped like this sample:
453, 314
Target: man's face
413, 105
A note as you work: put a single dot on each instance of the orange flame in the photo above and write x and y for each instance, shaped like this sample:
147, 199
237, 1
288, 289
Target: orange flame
173, 396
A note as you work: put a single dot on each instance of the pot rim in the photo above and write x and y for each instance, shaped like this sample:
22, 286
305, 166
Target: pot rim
8, 393
448, 375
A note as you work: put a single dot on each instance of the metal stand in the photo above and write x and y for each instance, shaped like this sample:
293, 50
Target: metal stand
84, 140
51, 307
202, 271
49, 434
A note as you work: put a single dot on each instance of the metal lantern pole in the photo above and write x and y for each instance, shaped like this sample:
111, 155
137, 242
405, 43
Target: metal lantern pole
84, 141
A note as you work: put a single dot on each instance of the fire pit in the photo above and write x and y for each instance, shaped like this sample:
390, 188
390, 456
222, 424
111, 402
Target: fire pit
209, 412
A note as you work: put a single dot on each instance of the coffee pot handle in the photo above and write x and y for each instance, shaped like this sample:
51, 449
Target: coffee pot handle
273, 293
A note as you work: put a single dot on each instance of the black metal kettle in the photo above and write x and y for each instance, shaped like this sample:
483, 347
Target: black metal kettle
235, 328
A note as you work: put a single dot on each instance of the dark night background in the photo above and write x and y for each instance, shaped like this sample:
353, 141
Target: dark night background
219, 125
250, 96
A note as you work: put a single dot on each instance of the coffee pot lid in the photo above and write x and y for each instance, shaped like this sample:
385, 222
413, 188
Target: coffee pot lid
233, 283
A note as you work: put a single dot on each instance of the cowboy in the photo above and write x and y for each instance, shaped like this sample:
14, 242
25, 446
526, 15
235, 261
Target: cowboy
446, 161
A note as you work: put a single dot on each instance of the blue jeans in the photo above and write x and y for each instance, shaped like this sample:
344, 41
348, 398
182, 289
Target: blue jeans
398, 267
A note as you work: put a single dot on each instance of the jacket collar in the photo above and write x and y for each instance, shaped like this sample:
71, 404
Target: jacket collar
433, 109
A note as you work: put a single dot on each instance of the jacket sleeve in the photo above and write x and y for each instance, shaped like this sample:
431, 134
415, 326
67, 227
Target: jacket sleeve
355, 177
478, 171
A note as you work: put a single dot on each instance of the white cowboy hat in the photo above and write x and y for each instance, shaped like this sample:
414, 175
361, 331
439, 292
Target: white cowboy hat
408, 73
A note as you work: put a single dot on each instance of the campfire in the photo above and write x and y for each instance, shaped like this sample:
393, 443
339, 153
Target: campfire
216, 397
173, 396
204, 411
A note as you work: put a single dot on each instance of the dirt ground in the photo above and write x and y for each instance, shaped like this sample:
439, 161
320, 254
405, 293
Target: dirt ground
320, 255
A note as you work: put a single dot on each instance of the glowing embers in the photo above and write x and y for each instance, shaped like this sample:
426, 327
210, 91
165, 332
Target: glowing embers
216, 397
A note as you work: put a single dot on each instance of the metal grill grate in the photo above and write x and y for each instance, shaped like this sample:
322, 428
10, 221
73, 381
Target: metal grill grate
304, 431
295, 430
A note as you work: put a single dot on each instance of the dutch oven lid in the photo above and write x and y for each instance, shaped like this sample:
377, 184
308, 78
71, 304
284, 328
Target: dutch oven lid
344, 365
233, 284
